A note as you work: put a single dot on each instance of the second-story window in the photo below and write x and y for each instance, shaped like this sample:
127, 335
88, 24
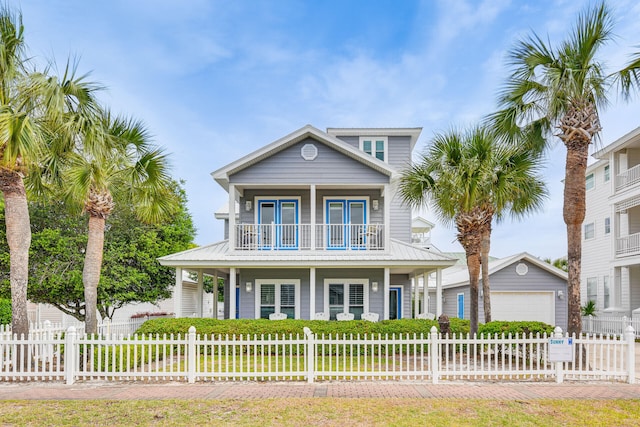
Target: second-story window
590, 181
376, 146
606, 174
589, 231
607, 225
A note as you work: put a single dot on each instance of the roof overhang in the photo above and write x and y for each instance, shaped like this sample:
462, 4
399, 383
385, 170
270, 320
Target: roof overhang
413, 133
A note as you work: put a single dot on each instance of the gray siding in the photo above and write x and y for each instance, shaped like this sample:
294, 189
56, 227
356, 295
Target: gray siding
399, 147
507, 279
329, 167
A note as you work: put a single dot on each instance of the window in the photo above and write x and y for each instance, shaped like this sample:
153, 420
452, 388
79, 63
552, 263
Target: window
589, 231
346, 296
607, 225
592, 289
590, 181
606, 174
607, 299
376, 146
278, 296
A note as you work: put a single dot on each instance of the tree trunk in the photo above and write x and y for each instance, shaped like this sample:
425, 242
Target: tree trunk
473, 265
484, 261
574, 212
19, 239
91, 272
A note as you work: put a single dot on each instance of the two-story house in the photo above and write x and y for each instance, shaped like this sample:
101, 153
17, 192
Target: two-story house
314, 228
611, 230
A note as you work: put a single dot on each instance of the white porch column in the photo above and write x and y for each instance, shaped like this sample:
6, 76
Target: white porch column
425, 292
312, 293
387, 222
416, 296
177, 293
199, 294
215, 295
385, 296
438, 292
232, 217
312, 215
232, 293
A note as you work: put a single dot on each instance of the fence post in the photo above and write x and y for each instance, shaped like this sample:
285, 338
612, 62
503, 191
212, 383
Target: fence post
630, 336
191, 355
435, 355
557, 333
311, 354
70, 355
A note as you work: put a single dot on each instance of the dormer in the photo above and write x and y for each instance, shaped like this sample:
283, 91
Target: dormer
390, 145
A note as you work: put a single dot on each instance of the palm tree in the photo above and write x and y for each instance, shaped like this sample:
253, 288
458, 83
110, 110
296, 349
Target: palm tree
470, 178
560, 90
31, 103
116, 156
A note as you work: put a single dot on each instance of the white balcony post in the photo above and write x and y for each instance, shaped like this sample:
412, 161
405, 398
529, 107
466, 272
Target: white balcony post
232, 217
387, 218
438, 292
312, 216
630, 337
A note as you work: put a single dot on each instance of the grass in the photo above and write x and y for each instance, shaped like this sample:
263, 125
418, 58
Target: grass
323, 412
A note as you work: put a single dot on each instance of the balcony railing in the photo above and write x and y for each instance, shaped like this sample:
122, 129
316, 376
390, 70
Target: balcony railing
628, 178
628, 245
280, 237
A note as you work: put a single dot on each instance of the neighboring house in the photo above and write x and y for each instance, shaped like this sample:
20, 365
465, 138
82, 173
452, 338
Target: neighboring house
611, 230
314, 228
522, 288
191, 306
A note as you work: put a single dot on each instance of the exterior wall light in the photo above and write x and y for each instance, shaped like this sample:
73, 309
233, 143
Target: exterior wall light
248, 286
374, 286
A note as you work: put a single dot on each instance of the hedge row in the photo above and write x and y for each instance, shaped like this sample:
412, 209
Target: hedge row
245, 327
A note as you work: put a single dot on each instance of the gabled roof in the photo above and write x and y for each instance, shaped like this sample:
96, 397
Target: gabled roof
459, 277
222, 175
218, 255
421, 225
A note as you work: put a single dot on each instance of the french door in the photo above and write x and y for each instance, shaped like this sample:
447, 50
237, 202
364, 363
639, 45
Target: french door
278, 224
346, 220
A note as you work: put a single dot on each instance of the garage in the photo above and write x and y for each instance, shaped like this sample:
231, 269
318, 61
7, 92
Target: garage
524, 305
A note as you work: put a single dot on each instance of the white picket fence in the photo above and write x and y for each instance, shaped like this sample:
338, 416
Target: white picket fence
609, 324
426, 357
104, 328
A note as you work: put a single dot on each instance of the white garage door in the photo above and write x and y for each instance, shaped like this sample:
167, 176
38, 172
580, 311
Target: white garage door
523, 306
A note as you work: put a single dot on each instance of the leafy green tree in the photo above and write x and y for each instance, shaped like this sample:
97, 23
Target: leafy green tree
470, 178
558, 90
33, 106
130, 273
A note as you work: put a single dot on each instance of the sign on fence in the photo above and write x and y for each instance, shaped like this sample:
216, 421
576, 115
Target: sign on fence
560, 349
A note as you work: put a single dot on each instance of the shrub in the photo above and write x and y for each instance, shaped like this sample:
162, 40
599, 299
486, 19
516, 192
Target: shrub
523, 327
5, 311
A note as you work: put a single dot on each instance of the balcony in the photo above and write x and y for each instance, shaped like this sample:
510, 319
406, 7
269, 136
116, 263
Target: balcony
628, 245
628, 178
296, 237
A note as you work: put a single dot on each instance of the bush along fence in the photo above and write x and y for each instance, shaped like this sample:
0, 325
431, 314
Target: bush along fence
71, 357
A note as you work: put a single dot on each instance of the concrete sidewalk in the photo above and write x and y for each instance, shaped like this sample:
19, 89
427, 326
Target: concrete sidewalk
267, 390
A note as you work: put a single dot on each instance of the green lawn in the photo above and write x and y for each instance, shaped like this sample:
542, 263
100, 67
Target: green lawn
323, 412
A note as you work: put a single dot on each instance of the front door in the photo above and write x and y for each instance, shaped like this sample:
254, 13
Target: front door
460, 306
395, 303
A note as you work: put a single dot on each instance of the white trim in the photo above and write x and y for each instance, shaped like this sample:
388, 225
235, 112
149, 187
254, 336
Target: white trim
374, 139
344, 282
278, 283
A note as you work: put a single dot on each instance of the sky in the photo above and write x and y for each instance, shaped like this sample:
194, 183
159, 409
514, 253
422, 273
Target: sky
215, 80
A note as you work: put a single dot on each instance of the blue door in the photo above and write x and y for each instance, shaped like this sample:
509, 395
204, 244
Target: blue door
278, 224
346, 220
460, 306
237, 303
395, 303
